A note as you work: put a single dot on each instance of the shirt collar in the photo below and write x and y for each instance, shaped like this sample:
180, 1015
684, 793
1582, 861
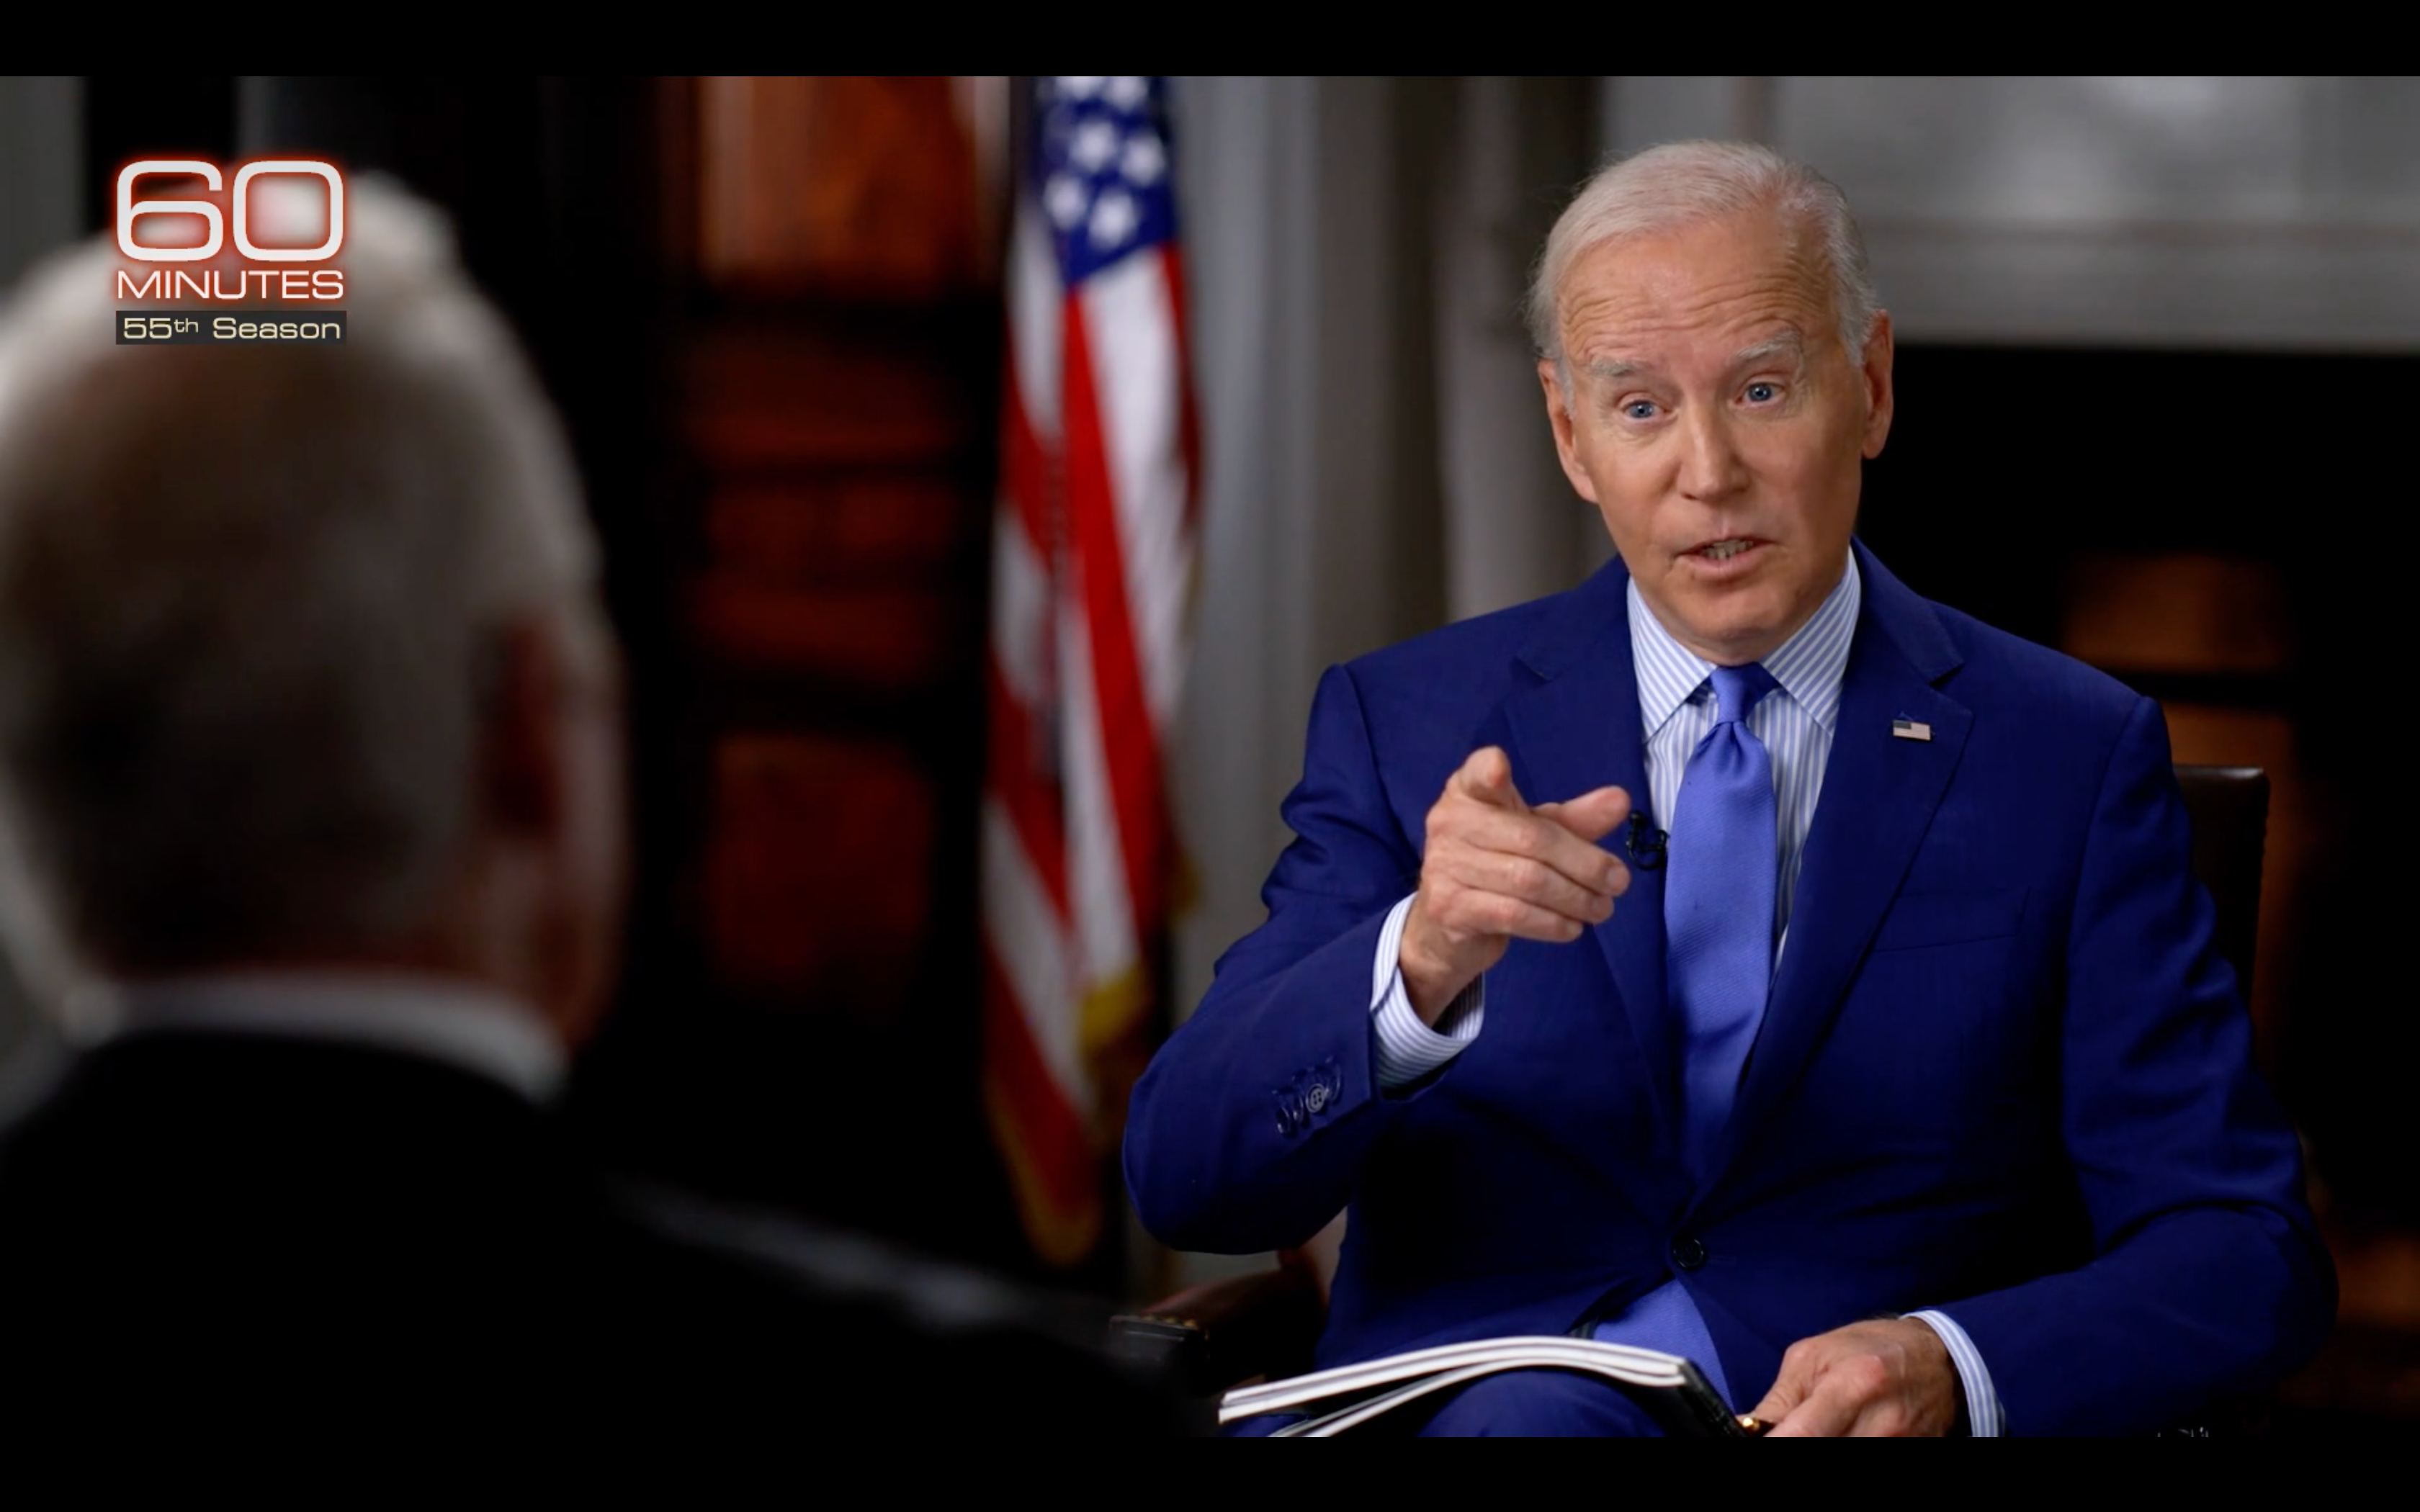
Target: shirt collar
440, 1019
1809, 666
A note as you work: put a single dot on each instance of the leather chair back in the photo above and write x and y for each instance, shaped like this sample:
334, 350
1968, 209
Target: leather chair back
2230, 806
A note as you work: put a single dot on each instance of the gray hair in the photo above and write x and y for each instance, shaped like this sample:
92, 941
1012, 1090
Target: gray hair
1682, 184
251, 599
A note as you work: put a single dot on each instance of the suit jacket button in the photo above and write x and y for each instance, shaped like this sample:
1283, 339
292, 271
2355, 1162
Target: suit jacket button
1688, 1252
1316, 1098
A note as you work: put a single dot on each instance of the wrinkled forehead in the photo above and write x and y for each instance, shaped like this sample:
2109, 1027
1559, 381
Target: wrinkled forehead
1729, 282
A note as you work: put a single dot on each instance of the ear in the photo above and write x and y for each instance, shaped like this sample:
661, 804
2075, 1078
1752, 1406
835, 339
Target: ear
1876, 371
1558, 415
523, 791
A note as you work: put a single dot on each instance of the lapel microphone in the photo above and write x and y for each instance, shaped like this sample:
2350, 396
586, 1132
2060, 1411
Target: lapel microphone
1645, 845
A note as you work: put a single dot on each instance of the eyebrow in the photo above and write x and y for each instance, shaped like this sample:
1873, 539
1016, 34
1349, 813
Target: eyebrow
1787, 344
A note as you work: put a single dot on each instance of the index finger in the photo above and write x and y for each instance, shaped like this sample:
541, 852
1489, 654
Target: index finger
1591, 816
1486, 775
1829, 1412
1584, 861
1788, 1390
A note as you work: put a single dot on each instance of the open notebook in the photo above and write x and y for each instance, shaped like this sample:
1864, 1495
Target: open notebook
1673, 1390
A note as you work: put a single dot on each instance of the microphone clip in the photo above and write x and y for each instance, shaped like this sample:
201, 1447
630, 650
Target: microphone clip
1645, 845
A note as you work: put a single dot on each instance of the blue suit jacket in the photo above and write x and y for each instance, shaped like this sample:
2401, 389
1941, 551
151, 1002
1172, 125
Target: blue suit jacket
2002, 1070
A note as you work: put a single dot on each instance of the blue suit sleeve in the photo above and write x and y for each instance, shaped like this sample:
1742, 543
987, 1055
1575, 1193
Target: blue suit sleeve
1252, 1124
2209, 1276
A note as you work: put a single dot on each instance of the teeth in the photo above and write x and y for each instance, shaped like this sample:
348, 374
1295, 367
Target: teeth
1724, 550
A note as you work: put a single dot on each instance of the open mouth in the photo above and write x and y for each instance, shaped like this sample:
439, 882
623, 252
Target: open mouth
1726, 548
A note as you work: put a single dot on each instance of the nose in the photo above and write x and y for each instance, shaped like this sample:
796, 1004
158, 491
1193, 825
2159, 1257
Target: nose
1711, 469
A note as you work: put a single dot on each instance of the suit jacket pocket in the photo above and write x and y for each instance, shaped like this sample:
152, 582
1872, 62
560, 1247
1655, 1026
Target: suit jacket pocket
1918, 919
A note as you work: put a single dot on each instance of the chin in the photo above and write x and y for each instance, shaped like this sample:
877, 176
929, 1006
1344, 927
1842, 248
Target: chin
1752, 628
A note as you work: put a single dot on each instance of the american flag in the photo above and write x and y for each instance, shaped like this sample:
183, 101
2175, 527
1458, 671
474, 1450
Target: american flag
1092, 571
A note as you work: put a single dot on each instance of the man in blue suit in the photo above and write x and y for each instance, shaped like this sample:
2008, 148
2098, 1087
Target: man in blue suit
1896, 1080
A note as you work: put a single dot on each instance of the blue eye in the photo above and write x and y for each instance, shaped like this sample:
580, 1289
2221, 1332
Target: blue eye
1640, 410
1760, 392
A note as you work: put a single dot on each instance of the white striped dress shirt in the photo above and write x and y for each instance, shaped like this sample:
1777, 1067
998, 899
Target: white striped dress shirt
1676, 709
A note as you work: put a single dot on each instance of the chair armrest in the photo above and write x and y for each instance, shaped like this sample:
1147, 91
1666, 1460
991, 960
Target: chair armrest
1209, 1337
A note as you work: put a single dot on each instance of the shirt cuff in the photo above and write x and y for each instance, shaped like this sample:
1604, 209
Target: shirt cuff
1407, 1048
1984, 1419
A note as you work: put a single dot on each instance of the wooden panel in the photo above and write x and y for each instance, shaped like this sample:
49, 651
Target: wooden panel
836, 365
2221, 621
842, 518
846, 529
892, 638
837, 185
769, 395
818, 874
2176, 612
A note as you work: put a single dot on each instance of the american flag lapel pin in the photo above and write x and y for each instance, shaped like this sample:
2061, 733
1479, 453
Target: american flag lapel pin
1911, 729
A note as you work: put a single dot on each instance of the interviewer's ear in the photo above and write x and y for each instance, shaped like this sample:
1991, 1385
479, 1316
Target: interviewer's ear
549, 802
1558, 415
519, 766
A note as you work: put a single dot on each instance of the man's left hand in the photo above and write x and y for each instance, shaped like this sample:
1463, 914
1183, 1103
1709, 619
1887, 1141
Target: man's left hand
1889, 1379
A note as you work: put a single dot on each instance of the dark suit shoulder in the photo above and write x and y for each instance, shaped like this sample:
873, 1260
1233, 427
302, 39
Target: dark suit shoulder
1441, 685
173, 1112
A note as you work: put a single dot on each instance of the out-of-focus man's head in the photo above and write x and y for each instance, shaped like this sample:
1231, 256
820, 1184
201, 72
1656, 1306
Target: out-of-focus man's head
1715, 366
301, 662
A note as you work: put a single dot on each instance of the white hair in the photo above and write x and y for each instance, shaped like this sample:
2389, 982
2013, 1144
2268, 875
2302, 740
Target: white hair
251, 599
1682, 183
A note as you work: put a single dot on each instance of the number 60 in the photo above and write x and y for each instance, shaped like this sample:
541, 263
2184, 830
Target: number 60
129, 211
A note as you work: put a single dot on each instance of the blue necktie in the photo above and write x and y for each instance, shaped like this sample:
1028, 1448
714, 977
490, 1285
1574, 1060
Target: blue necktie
1721, 869
1722, 864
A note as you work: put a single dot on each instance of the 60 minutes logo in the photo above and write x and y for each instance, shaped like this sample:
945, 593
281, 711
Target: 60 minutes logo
279, 283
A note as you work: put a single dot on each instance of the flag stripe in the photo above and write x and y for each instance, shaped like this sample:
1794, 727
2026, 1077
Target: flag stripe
1022, 602
1132, 345
1028, 943
1131, 747
1034, 294
1025, 469
1172, 261
1029, 801
1055, 1162
1102, 919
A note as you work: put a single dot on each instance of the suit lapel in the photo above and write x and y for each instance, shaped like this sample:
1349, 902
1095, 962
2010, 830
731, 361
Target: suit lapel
1576, 730
1880, 791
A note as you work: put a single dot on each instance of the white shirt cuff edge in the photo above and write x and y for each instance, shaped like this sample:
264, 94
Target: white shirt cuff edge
1408, 1049
1983, 1415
